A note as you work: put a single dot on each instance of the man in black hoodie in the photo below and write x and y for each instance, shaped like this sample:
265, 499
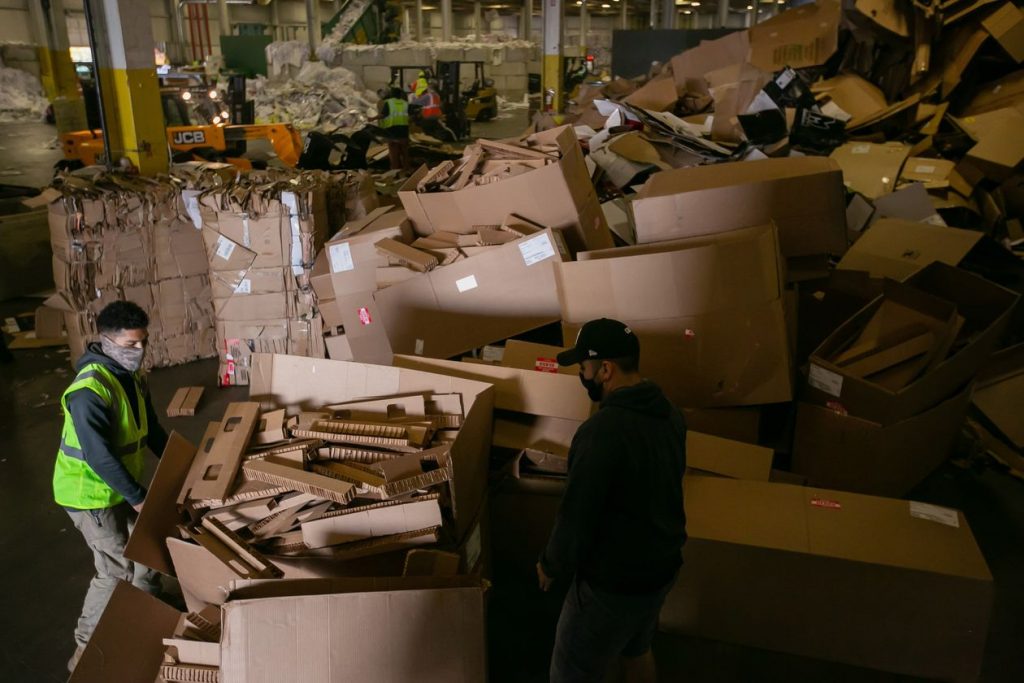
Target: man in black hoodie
109, 421
620, 527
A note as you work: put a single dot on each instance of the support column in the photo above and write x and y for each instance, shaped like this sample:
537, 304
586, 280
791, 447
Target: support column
446, 19
526, 20
584, 28
554, 19
223, 17
668, 13
654, 14
275, 19
624, 19
177, 55
121, 38
313, 25
419, 20
723, 13
478, 19
56, 70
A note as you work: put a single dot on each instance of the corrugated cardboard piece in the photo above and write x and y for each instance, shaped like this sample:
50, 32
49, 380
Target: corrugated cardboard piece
1000, 393
712, 332
897, 249
886, 584
803, 197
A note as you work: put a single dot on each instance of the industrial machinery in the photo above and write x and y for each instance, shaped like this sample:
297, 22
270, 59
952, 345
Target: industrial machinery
481, 99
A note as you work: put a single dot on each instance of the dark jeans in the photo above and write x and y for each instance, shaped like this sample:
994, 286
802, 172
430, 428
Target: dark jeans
597, 627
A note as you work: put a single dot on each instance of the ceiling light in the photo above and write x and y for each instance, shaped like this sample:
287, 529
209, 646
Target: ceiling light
605, 6
686, 11
750, 7
694, 4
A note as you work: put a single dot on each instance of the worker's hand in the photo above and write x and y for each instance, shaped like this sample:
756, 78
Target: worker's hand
543, 579
138, 507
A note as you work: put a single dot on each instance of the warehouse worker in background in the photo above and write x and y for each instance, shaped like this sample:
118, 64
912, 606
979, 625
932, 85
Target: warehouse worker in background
394, 121
620, 528
431, 115
109, 421
421, 84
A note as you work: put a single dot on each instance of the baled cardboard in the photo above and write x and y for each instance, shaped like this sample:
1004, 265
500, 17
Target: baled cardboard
131, 616
504, 291
803, 196
873, 582
559, 195
802, 36
312, 383
870, 169
897, 249
1000, 393
349, 262
366, 633
49, 323
986, 309
695, 311
848, 453
1006, 25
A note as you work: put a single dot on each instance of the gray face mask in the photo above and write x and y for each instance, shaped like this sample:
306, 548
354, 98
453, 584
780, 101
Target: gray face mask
128, 358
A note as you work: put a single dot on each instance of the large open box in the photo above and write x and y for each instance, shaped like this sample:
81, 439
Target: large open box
708, 312
881, 583
559, 195
986, 309
852, 454
803, 196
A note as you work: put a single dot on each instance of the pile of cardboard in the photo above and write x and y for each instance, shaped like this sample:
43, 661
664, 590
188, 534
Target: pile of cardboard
262, 233
116, 237
332, 470
896, 93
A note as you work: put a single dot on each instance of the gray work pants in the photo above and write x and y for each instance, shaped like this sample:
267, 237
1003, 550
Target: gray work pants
106, 532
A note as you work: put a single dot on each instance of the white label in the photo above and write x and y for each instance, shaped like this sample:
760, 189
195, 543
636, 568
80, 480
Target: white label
419, 347
826, 380
341, 257
492, 354
244, 287
536, 249
935, 513
191, 198
467, 283
924, 168
246, 240
861, 149
225, 247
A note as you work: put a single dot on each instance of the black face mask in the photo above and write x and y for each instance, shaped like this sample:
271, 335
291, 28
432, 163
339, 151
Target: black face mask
593, 387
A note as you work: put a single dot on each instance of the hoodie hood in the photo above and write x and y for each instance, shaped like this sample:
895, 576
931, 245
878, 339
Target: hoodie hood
94, 354
646, 398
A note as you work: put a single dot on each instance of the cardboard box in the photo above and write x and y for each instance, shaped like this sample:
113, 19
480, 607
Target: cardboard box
386, 630
1006, 25
712, 332
742, 423
870, 169
287, 381
1000, 393
872, 582
502, 292
802, 36
897, 249
558, 195
1000, 142
986, 309
537, 357
802, 196
852, 454
690, 66
131, 616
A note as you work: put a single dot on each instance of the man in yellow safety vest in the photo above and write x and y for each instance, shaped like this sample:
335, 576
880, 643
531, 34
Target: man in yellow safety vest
109, 421
394, 121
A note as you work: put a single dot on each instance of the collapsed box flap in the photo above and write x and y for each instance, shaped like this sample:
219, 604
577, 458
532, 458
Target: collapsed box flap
896, 248
1000, 395
802, 36
259, 589
524, 391
668, 183
127, 644
159, 518
728, 458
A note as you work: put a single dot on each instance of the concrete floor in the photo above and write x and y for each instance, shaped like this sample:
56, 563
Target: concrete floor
48, 567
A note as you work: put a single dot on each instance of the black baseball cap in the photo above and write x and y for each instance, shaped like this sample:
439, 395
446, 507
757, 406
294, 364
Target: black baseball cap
601, 339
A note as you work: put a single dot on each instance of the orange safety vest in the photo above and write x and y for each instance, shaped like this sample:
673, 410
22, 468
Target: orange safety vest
433, 109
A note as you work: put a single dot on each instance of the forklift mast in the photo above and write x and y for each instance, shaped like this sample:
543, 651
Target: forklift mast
452, 103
